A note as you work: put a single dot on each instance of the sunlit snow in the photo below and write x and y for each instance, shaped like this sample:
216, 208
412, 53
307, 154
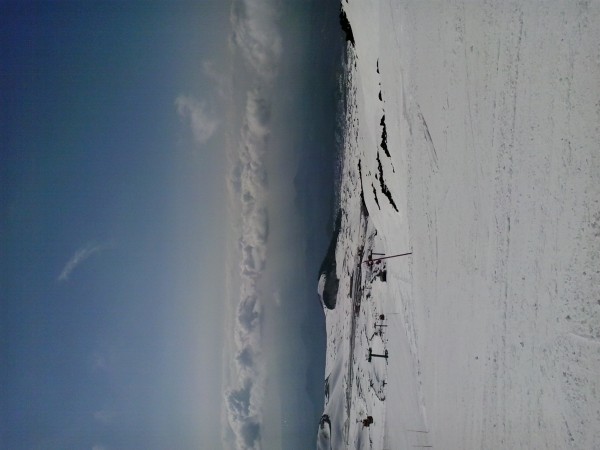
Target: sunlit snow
472, 135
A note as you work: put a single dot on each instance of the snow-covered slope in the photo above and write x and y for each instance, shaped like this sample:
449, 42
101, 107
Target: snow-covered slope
473, 135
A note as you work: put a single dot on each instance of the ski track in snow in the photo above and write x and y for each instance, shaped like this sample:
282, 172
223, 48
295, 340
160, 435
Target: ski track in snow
490, 113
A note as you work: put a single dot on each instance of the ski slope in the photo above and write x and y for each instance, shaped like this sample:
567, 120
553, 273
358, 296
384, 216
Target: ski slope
473, 136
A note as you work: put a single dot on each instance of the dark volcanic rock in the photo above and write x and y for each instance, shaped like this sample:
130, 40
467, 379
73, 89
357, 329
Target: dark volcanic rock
345, 23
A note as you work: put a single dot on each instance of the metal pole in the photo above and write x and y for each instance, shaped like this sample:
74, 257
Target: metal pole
371, 261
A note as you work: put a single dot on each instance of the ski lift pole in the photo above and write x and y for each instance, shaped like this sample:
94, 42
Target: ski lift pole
375, 355
371, 261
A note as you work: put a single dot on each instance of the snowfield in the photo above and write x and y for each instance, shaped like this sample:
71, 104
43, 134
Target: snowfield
472, 139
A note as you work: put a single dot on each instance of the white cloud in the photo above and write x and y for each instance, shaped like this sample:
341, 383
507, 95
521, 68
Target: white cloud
81, 255
202, 123
257, 36
244, 397
243, 415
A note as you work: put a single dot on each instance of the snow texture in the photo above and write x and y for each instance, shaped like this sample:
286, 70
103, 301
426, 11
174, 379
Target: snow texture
472, 134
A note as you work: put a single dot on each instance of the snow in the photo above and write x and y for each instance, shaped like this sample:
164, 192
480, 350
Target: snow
321, 285
492, 325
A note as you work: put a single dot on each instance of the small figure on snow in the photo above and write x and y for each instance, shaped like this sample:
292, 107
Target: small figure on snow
368, 421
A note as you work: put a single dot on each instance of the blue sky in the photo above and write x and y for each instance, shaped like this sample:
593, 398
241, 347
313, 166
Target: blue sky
125, 129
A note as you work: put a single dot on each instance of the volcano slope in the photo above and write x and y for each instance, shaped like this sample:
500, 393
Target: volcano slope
472, 139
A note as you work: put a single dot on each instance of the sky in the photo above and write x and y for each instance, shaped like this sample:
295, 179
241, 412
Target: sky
166, 192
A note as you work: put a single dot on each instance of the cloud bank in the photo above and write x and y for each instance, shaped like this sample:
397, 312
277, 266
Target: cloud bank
243, 399
256, 39
81, 255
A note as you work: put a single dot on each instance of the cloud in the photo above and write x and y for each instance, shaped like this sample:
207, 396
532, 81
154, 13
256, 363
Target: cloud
239, 400
256, 33
245, 358
203, 124
249, 313
243, 406
81, 255
258, 117
250, 434
256, 38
